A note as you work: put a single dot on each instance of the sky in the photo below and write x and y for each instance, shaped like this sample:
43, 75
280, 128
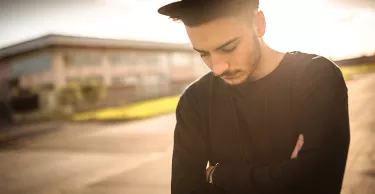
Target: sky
333, 28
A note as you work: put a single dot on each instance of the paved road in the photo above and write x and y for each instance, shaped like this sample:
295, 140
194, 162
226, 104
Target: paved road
134, 158
90, 158
360, 171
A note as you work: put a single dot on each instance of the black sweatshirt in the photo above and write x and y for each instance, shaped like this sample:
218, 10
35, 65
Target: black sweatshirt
251, 131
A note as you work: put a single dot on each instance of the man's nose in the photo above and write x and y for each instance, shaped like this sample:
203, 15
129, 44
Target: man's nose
219, 66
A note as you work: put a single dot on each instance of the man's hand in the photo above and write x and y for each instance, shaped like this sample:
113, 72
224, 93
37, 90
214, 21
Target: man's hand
296, 150
298, 147
208, 170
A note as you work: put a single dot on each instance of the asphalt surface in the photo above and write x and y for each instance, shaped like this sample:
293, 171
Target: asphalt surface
135, 157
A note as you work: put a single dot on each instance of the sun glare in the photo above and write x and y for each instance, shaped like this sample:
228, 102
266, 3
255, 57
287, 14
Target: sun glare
317, 27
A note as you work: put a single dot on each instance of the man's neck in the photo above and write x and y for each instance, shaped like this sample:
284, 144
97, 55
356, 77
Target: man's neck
269, 61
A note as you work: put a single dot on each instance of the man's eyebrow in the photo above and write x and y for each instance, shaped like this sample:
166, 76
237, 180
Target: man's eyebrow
221, 46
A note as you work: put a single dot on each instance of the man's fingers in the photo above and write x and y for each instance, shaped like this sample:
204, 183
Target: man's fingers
208, 170
298, 146
300, 142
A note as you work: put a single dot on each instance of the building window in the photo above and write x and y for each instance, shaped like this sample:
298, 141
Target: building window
149, 58
152, 80
122, 59
181, 59
73, 80
154, 85
94, 78
31, 65
130, 80
82, 58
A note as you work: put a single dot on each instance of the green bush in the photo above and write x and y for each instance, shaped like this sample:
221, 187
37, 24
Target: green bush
69, 95
92, 92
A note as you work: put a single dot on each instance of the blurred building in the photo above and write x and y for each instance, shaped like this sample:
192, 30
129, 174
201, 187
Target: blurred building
363, 60
130, 69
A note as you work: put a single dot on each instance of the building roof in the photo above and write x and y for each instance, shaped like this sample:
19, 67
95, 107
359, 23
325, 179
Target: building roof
65, 40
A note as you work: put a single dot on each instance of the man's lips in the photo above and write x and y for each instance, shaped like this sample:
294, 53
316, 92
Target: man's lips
231, 77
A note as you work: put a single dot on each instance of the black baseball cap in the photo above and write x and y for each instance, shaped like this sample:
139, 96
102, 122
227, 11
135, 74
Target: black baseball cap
175, 9
193, 7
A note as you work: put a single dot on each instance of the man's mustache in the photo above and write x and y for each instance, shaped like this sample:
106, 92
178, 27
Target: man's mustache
229, 73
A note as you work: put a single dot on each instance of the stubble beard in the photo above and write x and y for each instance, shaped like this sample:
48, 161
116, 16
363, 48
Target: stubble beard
254, 64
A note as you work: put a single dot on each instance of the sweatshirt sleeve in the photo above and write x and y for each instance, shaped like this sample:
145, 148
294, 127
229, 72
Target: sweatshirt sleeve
323, 120
189, 158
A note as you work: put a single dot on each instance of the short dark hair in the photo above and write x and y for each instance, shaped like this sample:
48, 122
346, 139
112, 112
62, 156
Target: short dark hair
196, 12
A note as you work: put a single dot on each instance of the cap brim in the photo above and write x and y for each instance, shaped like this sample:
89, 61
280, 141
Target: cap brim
171, 9
181, 8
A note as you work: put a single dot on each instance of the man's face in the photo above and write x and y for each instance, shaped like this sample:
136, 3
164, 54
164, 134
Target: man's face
229, 47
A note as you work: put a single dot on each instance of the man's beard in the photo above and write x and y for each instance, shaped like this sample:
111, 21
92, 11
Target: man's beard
253, 64
257, 56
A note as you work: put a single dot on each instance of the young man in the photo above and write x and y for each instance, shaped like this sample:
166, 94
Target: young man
267, 122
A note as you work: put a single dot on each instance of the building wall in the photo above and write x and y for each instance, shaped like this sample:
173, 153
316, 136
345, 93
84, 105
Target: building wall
130, 74
136, 67
363, 60
140, 67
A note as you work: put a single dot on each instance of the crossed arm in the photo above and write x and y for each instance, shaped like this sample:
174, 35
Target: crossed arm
324, 124
211, 169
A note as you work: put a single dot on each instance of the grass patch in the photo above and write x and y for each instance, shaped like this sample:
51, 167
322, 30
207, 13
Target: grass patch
350, 71
135, 111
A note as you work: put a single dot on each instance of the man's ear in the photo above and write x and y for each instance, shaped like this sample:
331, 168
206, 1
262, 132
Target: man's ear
260, 23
